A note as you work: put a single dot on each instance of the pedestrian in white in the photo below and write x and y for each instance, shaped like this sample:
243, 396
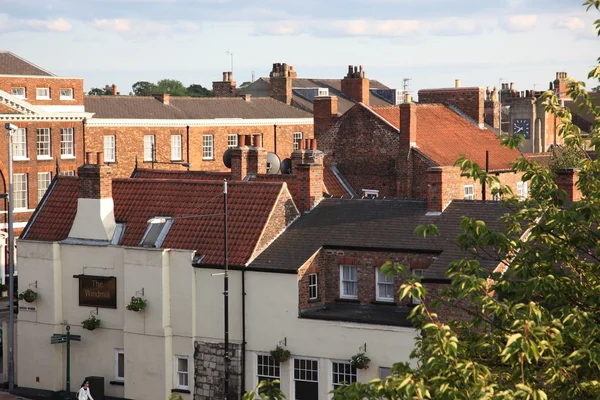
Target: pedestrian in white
84, 392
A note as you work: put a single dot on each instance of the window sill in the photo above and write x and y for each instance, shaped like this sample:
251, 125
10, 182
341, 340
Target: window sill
317, 300
343, 300
177, 161
208, 159
117, 383
22, 210
67, 99
68, 157
180, 391
20, 158
384, 303
45, 158
109, 162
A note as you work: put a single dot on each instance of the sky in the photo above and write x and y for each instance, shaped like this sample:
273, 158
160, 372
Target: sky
432, 42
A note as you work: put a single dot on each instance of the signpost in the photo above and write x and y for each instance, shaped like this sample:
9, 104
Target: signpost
58, 338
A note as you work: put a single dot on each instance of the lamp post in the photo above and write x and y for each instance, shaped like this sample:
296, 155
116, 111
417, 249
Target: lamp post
10, 129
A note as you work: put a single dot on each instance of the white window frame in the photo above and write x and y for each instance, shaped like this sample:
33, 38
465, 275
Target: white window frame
323, 92
275, 366
68, 172
232, 140
293, 370
20, 144
342, 281
67, 147
46, 178
19, 96
42, 96
298, 136
176, 148
110, 150
522, 190
468, 192
208, 147
20, 203
162, 234
353, 373
149, 148
117, 377
177, 373
370, 193
312, 285
119, 232
46, 144
378, 276
68, 96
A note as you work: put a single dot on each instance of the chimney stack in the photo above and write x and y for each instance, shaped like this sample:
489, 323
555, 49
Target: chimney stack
325, 115
444, 184
164, 98
408, 125
225, 88
239, 159
355, 85
95, 218
281, 79
257, 156
114, 89
560, 85
567, 180
307, 164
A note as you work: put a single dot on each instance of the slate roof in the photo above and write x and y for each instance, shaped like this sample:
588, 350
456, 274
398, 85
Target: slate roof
147, 173
138, 200
148, 107
258, 89
11, 64
443, 134
367, 314
377, 224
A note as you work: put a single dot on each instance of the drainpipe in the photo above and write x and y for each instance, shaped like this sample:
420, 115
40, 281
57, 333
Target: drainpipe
243, 332
275, 139
83, 124
187, 145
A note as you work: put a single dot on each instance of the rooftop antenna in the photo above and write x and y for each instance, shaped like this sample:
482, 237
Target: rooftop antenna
405, 83
231, 55
253, 72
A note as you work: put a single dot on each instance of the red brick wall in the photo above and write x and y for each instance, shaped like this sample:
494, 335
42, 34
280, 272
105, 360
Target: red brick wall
357, 89
327, 265
55, 84
130, 143
469, 100
310, 186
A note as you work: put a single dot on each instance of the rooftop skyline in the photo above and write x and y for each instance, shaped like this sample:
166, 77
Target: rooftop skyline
432, 42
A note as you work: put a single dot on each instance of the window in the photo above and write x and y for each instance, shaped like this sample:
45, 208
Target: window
267, 368
348, 282
69, 172
313, 289
149, 149
18, 92
20, 191
384, 372
297, 139
66, 143
42, 94
156, 232
43, 143
232, 141
370, 193
119, 365
522, 191
44, 179
323, 92
118, 235
343, 374
182, 372
306, 379
469, 193
385, 286
207, 147
109, 149
176, 148
66, 94
20, 144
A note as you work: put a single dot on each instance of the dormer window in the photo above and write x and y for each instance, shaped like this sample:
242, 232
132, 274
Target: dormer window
42, 93
323, 92
66, 94
370, 193
158, 228
18, 92
118, 235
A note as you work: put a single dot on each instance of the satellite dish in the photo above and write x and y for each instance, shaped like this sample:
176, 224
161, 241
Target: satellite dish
273, 164
227, 158
286, 166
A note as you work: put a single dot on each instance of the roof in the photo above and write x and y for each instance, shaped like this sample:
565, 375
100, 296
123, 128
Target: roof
138, 200
371, 314
11, 64
383, 224
333, 186
147, 173
583, 118
259, 89
443, 135
148, 107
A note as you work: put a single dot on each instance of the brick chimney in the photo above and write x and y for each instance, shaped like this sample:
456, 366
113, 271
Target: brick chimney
239, 158
225, 88
408, 126
325, 116
281, 78
560, 85
567, 180
355, 85
491, 108
307, 164
257, 156
469, 100
163, 98
444, 184
95, 218
114, 89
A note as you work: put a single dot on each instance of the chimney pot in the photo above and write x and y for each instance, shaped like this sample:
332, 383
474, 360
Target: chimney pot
313, 144
247, 140
457, 83
301, 145
100, 158
89, 158
407, 98
257, 140
114, 89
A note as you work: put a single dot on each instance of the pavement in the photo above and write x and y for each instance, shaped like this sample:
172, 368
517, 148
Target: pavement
8, 396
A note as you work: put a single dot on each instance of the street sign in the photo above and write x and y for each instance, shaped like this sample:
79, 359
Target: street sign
76, 338
58, 338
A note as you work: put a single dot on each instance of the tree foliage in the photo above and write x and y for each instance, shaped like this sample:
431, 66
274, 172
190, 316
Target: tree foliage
196, 90
143, 88
170, 86
566, 157
107, 91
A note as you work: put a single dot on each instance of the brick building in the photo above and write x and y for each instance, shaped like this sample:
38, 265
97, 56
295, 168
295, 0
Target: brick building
388, 151
49, 113
172, 132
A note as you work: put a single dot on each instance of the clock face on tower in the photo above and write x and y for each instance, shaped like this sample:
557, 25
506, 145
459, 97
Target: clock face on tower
522, 127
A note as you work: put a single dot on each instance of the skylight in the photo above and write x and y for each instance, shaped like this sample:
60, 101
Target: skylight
156, 232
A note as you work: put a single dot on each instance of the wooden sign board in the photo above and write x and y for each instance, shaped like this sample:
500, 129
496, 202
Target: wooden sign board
97, 291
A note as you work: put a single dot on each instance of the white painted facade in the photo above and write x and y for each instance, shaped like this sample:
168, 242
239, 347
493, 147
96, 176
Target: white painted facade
185, 304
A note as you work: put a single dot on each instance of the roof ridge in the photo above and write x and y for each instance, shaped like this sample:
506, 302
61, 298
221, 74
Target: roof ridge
30, 63
196, 181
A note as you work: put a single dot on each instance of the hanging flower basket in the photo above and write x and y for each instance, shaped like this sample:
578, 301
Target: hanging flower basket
136, 304
91, 323
29, 296
280, 354
360, 361
4, 288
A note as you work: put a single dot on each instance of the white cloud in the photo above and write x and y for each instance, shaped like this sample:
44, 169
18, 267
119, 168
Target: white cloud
112, 25
278, 28
143, 29
50, 25
455, 27
572, 24
520, 23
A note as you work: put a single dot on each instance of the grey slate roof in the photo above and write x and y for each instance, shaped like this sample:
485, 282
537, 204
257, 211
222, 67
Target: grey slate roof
11, 64
260, 88
377, 224
140, 107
